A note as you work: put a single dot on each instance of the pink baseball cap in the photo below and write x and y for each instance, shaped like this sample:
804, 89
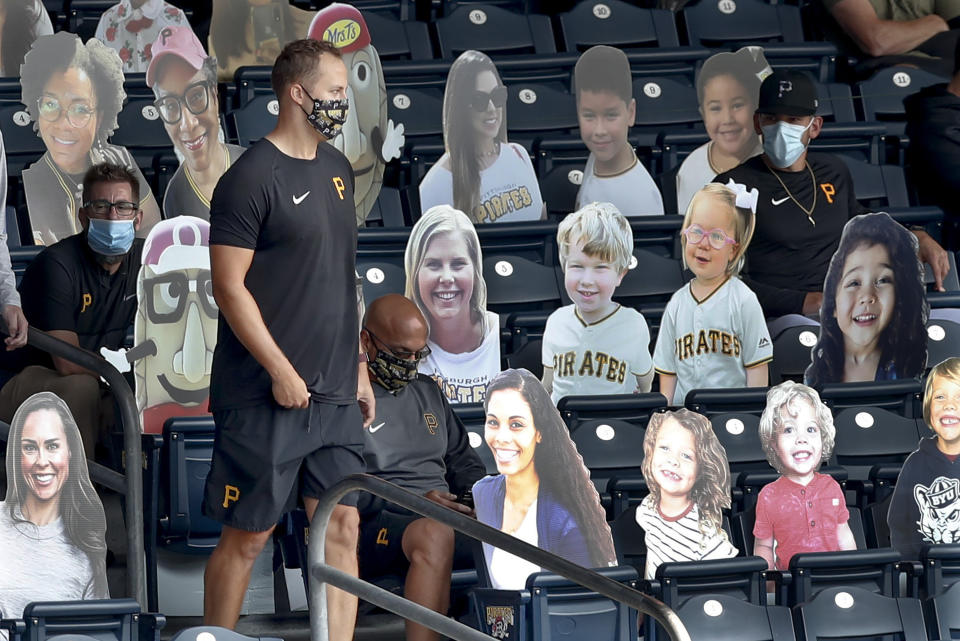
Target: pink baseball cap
177, 41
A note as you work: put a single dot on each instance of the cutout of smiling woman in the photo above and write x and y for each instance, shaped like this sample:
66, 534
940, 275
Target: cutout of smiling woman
874, 313
543, 494
52, 525
73, 93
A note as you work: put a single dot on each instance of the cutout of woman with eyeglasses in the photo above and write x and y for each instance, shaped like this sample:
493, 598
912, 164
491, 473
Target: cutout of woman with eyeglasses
481, 174
184, 80
73, 92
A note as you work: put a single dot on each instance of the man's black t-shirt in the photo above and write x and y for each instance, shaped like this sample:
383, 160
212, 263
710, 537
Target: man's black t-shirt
298, 217
789, 255
64, 288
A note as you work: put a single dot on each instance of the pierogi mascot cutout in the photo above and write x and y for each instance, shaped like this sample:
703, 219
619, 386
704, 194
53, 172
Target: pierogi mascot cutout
368, 139
176, 325
52, 525
873, 319
803, 510
543, 494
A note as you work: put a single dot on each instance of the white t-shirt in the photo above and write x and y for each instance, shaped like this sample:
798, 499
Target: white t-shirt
509, 191
509, 572
463, 377
710, 343
696, 172
604, 357
632, 191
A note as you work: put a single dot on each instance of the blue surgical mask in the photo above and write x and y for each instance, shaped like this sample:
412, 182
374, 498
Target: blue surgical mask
110, 237
783, 142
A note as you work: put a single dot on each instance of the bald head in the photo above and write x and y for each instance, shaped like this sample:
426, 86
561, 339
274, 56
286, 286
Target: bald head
397, 324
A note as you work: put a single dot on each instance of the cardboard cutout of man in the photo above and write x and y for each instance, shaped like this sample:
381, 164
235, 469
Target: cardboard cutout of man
52, 526
369, 139
803, 510
874, 312
543, 494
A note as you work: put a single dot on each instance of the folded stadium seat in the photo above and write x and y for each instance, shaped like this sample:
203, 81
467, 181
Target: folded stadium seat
631, 408
518, 284
791, 352
615, 23
626, 492
446, 7
943, 340
380, 278
710, 402
494, 31
211, 633
650, 278
248, 82
391, 209
657, 234
420, 111
877, 187
628, 538
815, 572
527, 357
852, 612
939, 570
535, 111
135, 86
524, 328
835, 102
474, 417
534, 241
900, 397
738, 434
21, 144
21, 257
404, 40
141, 131
10, 91
609, 448
95, 620
665, 104
718, 617
943, 614
84, 16
254, 120
382, 245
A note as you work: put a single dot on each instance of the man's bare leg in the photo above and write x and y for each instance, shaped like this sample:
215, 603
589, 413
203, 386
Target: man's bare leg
341, 553
227, 575
428, 545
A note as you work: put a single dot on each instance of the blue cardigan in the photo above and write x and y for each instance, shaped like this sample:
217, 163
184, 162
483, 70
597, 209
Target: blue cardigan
557, 531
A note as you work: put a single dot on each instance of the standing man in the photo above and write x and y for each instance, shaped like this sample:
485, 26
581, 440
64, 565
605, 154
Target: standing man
285, 383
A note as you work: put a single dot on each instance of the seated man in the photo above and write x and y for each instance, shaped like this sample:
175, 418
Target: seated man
417, 442
83, 290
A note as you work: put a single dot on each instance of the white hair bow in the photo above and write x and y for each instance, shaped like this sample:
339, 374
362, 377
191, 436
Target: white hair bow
745, 199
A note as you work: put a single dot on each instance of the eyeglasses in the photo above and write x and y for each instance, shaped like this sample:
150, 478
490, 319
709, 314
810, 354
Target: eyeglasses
716, 237
196, 99
168, 294
480, 99
406, 355
78, 113
101, 208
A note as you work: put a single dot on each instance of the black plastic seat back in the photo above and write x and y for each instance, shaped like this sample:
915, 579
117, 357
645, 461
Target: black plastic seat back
854, 613
617, 24
719, 617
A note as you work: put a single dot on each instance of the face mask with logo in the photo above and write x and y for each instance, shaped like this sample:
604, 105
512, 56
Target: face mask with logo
328, 116
392, 372
783, 142
110, 237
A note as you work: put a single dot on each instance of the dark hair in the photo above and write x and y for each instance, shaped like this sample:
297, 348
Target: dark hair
82, 514
744, 66
903, 343
603, 69
63, 51
299, 62
560, 467
459, 138
19, 31
228, 28
109, 173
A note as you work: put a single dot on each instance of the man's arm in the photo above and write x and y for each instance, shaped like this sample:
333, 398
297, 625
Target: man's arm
931, 252
228, 269
62, 365
365, 398
877, 37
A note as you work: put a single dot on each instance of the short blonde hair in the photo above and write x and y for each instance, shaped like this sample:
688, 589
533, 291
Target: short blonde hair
785, 396
601, 231
743, 223
949, 368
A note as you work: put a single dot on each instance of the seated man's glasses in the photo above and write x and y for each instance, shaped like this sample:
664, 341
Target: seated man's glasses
101, 208
78, 113
402, 354
196, 99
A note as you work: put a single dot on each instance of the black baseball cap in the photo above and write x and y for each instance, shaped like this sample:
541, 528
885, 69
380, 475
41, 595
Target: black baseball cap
789, 93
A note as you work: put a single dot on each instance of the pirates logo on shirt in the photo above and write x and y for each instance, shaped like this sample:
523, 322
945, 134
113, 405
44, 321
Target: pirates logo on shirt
432, 423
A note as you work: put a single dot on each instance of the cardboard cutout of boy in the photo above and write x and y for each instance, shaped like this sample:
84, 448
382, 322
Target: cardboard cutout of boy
688, 476
873, 319
803, 510
369, 139
606, 109
543, 494
925, 507
52, 525
175, 331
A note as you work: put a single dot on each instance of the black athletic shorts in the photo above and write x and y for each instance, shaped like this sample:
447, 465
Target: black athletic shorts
264, 456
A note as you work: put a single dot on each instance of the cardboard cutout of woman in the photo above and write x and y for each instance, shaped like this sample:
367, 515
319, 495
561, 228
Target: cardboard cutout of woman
874, 313
481, 174
184, 80
688, 476
73, 93
444, 270
543, 494
803, 510
728, 87
21, 23
52, 525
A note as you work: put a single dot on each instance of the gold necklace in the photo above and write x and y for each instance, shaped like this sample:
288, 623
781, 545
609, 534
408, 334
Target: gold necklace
813, 179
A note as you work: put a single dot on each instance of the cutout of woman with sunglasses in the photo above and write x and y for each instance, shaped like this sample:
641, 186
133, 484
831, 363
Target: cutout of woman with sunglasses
481, 174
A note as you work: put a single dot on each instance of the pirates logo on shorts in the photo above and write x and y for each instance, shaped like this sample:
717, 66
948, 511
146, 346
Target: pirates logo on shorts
231, 494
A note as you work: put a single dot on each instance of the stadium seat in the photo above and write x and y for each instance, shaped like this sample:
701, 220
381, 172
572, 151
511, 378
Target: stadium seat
524, 328
380, 278
944, 614
710, 402
791, 352
852, 612
628, 538
12, 227
940, 570
254, 120
632, 408
900, 397
493, 31
21, 257
535, 111
21, 144
712, 24
250, 81
626, 492
141, 131
658, 234
666, 104
609, 448
881, 96
738, 433
528, 357
473, 417
617, 24
650, 278
393, 40
84, 16
382, 245
420, 111
96, 619
531, 240
816, 572
211, 633
517, 284
943, 340
878, 187
718, 617
871, 436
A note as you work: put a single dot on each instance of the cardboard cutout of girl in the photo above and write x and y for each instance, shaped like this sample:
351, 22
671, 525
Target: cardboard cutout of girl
686, 470
543, 494
803, 510
481, 174
874, 312
925, 507
369, 139
444, 270
52, 525
728, 87
73, 93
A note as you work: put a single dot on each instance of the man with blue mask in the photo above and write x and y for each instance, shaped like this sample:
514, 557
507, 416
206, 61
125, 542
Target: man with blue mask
805, 200
82, 290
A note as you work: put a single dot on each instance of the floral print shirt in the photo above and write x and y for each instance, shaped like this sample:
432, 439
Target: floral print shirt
131, 32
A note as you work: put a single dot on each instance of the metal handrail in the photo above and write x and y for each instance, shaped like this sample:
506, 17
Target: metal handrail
320, 573
130, 483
